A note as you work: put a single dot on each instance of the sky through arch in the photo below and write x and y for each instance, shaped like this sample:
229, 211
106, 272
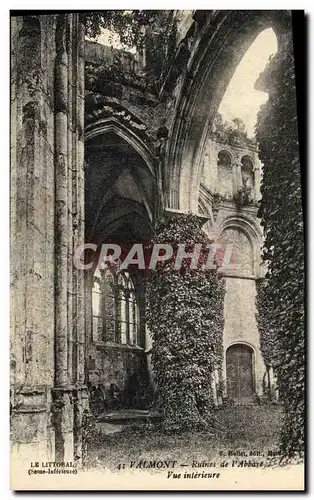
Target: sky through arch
241, 100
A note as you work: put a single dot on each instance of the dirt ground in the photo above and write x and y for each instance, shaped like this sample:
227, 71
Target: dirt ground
241, 432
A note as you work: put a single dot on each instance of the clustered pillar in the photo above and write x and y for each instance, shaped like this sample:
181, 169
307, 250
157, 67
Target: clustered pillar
70, 395
48, 391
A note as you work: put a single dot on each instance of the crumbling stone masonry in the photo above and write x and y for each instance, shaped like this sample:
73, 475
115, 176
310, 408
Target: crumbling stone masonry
48, 392
101, 149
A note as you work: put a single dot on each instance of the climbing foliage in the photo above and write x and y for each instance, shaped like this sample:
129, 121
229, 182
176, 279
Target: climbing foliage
152, 30
128, 24
264, 325
281, 298
184, 314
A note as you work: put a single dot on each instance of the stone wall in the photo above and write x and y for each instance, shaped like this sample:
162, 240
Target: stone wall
115, 80
240, 323
226, 180
50, 323
32, 230
120, 372
47, 220
230, 223
227, 216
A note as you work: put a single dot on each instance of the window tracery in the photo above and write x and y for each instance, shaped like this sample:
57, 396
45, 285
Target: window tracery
115, 308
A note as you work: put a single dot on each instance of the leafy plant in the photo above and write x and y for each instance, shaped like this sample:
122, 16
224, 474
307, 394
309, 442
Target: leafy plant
264, 324
233, 132
153, 29
243, 197
128, 24
185, 317
280, 299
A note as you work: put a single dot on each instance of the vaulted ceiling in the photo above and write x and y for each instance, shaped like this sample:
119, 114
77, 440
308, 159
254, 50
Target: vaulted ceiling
120, 191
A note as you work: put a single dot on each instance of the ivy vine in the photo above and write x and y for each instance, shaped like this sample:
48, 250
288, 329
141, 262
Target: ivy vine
264, 326
232, 133
184, 314
153, 29
243, 197
280, 299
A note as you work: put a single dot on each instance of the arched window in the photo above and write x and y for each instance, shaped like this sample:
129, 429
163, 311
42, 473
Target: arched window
108, 285
115, 308
242, 251
224, 173
247, 172
133, 317
129, 310
224, 158
124, 307
96, 307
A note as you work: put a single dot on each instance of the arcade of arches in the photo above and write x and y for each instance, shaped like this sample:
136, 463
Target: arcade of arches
143, 153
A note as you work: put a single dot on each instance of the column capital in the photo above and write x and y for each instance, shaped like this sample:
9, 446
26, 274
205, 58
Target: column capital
237, 162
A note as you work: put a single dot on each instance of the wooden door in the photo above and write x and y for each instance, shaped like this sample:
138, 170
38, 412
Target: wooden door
239, 359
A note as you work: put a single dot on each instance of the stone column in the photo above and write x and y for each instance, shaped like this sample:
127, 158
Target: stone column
70, 394
32, 238
257, 183
61, 204
70, 136
81, 402
48, 391
62, 409
237, 175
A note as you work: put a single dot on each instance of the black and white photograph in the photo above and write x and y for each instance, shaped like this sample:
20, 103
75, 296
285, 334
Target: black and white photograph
157, 250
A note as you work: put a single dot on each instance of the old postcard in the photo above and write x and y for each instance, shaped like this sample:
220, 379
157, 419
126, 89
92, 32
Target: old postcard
157, 250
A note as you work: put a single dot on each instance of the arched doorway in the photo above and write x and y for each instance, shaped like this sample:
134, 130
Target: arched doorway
240, 373
121, 204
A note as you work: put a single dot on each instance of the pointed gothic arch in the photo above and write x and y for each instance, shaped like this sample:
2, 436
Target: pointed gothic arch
113, 125
252, 232
128, 190
222, 42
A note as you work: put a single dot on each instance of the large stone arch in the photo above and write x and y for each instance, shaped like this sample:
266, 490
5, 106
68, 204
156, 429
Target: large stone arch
122, 201
222, 42
112, 124
108, 130
253, 233
204, 209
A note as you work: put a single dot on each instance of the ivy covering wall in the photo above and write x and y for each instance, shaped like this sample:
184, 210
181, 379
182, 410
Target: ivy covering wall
154, 30
185, 317
280, 300
267, 336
